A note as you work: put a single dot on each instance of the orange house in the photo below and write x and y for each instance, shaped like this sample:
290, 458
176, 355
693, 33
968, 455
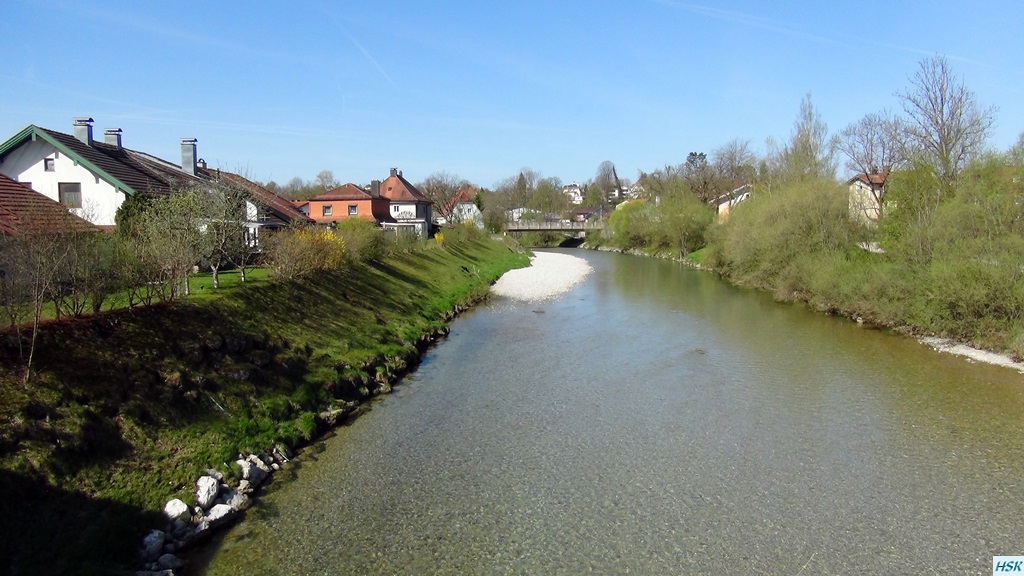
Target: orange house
348, 201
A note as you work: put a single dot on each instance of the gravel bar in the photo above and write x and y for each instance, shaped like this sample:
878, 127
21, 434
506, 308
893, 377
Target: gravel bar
549, 275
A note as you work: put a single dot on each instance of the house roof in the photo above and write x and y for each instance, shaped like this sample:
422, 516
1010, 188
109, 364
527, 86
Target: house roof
277, 206
397, 189
464, 195
24, 211
345, 192
127, 170
875, 178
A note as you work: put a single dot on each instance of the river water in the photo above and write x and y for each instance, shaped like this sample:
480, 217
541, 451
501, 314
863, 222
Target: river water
656, 420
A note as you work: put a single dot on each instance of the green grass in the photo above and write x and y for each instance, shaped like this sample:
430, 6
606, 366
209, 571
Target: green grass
125, 408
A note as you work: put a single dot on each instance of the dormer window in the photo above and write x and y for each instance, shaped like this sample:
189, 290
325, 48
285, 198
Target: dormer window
48, 164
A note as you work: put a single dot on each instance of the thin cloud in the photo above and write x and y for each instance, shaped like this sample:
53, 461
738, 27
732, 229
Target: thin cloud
366, 53
788, 29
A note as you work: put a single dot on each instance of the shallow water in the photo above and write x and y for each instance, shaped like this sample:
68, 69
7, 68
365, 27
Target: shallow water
658, 421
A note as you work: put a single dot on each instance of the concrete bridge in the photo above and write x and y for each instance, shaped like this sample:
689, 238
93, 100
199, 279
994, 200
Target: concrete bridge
562, 226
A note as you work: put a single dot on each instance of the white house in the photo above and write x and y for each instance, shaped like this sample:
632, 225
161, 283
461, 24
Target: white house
93, 178
573, 192
408, 207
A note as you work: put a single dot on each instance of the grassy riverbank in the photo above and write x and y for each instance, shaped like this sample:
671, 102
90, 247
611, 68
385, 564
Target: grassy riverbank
126, 408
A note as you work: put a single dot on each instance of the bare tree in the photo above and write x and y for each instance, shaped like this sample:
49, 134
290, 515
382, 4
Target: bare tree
734, 163
699, 176
441, 188
607, 178
873, 147
223, 237
325, 179
944, 121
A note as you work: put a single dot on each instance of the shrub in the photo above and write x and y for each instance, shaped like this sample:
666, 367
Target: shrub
297, 252
364, 241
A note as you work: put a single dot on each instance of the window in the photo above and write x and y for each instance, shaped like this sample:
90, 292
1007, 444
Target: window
48, 164
353, 209
395, 208
328, 210
70, 194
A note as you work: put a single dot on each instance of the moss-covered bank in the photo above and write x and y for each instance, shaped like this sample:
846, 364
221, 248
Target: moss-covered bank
126, 408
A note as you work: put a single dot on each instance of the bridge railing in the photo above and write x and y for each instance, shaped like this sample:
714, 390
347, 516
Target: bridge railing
560, 226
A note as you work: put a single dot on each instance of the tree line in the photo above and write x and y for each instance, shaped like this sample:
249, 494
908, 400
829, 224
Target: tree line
941, 254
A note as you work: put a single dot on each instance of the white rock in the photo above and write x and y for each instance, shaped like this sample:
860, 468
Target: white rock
206, 491
176, 509
220, 514
259, 463
237, 500
252, 473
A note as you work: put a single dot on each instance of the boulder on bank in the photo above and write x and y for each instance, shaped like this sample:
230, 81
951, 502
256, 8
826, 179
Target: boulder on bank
207, 488
176, 510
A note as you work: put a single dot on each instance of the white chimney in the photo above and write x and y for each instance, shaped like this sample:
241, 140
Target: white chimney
188, 155
83, 130
112, 136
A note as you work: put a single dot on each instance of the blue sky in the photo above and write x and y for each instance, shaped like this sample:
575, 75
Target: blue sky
482, 89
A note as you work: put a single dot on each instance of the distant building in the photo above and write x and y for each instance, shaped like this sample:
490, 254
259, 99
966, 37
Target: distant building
866, 193
574, 193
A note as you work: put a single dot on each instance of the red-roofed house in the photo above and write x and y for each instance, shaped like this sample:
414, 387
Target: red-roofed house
463, 209
409, 208
867, 191
348, 201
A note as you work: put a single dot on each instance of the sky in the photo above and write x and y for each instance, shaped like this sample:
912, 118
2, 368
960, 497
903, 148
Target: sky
481, 90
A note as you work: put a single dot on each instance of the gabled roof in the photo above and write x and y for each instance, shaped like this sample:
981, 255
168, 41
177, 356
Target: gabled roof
397, 189
121, 167
277, 206
24, 211
345, 192
874, 179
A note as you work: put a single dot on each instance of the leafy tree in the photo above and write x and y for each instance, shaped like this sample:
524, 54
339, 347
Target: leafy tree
547, 198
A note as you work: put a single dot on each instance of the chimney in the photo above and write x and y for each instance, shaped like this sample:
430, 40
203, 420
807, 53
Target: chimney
201, 163
375, 188
188, 155
83, 130
112, 136
394, 172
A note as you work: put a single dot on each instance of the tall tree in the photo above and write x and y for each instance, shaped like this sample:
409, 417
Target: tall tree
699, 176
734, 164
873, 147
810, 153
945, 124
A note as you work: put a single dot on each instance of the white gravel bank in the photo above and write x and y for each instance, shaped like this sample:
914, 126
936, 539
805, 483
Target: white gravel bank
943, 345
550, 275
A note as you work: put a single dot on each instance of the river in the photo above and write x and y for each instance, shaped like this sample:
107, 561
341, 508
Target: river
656, 420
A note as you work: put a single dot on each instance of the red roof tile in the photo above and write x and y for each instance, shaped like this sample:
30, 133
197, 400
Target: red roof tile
24, 211
346, 192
